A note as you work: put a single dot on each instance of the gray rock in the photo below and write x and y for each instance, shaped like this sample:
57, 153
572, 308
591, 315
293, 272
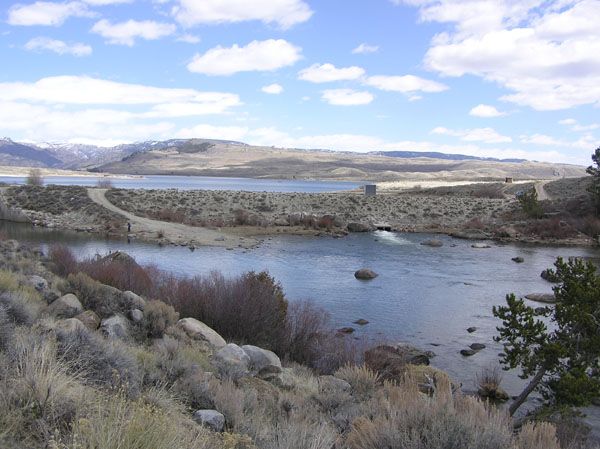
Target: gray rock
435, 243
467, 352
211, 419
281, 222
197, 330
116, 326
471, 234
549, 276
70, 325
359, 227
518, 259
135, 300
365, 274
361, 322
67, 306
346, 330
37, 282
477, 346
136, 315
471, 329
547, 298
232, 362
262, 361
89, 319
480, 245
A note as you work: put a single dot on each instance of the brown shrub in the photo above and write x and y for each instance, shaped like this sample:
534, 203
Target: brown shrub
119, 272
549, 228
63, 259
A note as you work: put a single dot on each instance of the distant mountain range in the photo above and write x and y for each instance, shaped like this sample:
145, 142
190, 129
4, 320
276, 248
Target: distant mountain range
91, 157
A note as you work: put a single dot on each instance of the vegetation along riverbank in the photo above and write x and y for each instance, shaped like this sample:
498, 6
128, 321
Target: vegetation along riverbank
106, 353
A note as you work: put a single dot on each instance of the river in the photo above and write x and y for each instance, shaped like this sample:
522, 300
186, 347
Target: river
424, 296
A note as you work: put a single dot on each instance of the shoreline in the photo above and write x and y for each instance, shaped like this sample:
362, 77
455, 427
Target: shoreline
242, 219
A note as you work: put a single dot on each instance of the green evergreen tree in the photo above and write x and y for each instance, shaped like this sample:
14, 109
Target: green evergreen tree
561, 358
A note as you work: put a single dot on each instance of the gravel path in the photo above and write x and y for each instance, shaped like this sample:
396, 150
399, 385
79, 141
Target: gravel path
172, 232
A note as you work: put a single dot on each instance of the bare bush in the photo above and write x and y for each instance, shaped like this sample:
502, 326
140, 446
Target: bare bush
105, 183
34, 178
63, 259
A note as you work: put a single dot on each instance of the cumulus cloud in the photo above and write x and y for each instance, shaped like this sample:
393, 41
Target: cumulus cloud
72, 107
125, 33
284, 13
274, 89
347, 97
46, 13
364, 49
547, 53
486, 111
268, 55
57, 46
405, 84
325, 73
485, 135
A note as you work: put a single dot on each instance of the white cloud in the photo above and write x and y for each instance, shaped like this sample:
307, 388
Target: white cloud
72, 108
285, 13
364, 49
189, 38
405, 84
587, 142
256, 56
346, 97
125, 33
274, 89
57, 46
324, 73
486, 111
46, 13
546, 52
577, 127
568, 121
81, 90
486, 135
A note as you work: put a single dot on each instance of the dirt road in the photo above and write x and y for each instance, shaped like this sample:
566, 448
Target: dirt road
145, 228
541, 191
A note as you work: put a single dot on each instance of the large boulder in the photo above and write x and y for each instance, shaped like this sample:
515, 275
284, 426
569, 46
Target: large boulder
135, 301
365, 274
232, 361
264, 363
136, 315
67, 306
480, 246
211, 419
550, 276
197, 330
116, 326
428, 378
89, 319
391, 361
331, 383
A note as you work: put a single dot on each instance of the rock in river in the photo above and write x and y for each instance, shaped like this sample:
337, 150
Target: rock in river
435, 243
365, 274
547, 298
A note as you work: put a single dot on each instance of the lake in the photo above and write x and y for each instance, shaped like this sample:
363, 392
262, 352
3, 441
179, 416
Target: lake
197, 183
424, 296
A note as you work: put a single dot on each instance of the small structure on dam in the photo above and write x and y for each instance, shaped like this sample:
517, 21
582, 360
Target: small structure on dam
370, 190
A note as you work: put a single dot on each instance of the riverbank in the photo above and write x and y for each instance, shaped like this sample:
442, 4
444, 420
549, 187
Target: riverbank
240, 219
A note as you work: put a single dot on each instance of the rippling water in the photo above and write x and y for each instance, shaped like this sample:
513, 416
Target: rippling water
423, 295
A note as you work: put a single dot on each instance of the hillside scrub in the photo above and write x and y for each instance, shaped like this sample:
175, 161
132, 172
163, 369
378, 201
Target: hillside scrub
63, 386
249, 309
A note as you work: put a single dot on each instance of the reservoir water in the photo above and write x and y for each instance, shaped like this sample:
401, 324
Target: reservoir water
424, 296
197, 183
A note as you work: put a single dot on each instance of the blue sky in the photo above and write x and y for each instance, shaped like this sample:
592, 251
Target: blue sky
500, 78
